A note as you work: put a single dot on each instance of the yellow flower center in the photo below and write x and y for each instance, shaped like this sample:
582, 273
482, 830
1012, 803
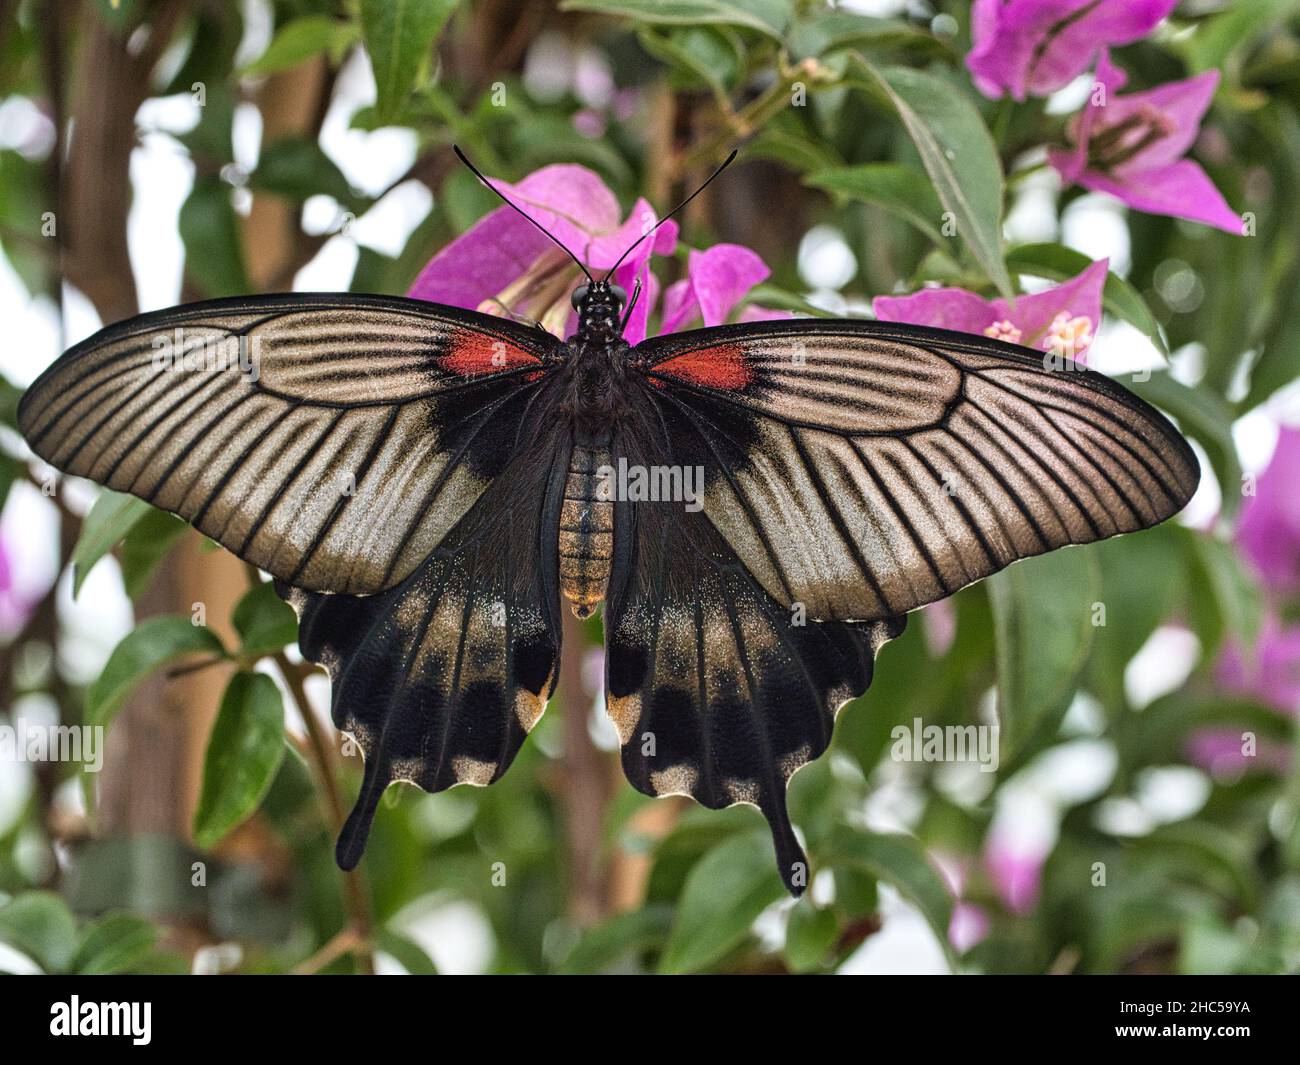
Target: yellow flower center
1068, 336
1003, 330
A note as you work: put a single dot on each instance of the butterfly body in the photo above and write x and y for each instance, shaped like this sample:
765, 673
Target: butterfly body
586, 533
426, 484
595, 381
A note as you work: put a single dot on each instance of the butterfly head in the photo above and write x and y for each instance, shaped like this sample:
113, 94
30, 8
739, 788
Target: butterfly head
599, 305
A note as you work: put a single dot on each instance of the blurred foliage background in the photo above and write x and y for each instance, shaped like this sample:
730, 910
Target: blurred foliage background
153, 151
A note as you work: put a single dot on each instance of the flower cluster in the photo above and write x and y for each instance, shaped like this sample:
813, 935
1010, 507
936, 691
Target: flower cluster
1129, 146
505, 265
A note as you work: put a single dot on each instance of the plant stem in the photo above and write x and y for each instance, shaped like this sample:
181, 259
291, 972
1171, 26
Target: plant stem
359, 925
345, 942
742, 124
358, 905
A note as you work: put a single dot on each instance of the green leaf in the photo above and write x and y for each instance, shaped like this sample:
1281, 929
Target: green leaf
783, 142
698, 53
1227, 602
898, 189
772, 296
39, 924
1042, 623
958, 154
145, 546
901, 861
243, 755
1208, 417
152, 643
1214, 855
24, 198
822, 31
410, 955
1141, 579
214, 256
1217, 39
809, 936
766, 16
264, 621
297, 167
111, 517
10, 395
212, 140
398, 36
856, 892
618, 939
1057, 263
113, 944
213, 42
303, 38
723, 896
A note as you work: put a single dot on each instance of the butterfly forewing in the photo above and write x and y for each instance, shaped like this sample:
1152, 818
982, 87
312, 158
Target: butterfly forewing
865, 469
330, 440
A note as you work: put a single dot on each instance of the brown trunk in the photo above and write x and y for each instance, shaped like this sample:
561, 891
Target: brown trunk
108, 85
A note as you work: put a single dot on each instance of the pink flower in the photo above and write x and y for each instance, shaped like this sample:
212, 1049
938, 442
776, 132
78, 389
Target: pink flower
504, 265
1269, 530
1270, 672
940, 627
1016, 869
1062, 320
1034, 47
716, 281
1224, 752
15, 606
968, 926
969, 922
1132, 147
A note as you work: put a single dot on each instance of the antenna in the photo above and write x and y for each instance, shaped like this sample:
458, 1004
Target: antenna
509, 203
725, 163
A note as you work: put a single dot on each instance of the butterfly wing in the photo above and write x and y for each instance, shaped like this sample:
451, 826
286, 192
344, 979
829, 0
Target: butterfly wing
331, 440
440, 678
718, 691
863, 469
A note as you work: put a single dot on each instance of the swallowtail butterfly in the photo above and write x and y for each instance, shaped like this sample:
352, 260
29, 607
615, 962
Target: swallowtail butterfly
852, 471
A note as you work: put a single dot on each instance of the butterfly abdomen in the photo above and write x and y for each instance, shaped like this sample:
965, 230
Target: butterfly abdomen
586, 541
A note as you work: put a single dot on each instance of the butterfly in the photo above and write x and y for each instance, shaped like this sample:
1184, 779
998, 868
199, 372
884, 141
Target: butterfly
758, 506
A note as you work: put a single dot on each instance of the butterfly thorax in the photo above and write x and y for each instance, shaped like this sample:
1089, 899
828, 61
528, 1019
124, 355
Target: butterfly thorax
596, 386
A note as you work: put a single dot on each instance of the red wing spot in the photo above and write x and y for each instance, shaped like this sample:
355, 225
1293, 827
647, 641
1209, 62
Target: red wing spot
470, 354
722, 366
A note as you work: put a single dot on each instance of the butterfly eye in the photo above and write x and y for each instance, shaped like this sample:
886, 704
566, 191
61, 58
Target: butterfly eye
620, 294
579, 295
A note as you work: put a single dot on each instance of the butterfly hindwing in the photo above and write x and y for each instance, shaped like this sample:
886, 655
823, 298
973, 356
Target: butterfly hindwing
330, 440
863, 469
440, 679
717, 690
